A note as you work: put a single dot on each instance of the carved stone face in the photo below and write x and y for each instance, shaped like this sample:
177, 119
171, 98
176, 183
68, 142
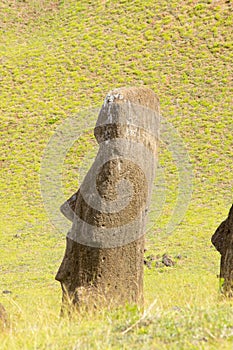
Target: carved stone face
109, 210
111, 204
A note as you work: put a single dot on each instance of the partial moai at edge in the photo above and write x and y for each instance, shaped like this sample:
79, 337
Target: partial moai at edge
223, 242
103, 261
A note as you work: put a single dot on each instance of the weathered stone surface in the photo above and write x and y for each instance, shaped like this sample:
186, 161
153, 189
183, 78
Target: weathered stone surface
223, 242
105, 246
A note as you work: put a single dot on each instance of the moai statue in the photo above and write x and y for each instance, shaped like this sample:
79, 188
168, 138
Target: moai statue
105, 246
223, 242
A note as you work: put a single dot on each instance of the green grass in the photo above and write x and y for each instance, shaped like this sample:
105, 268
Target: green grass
59, 58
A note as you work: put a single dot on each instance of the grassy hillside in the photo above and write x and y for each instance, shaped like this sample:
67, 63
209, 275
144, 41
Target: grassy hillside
58, 59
